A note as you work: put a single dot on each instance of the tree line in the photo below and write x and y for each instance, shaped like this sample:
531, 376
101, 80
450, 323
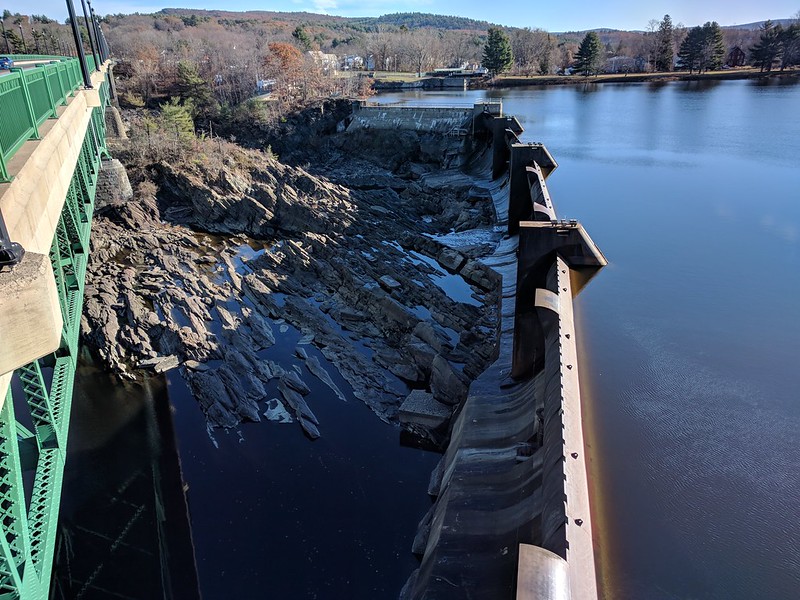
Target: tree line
701, 48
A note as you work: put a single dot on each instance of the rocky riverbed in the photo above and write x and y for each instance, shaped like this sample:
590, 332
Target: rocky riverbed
372, 253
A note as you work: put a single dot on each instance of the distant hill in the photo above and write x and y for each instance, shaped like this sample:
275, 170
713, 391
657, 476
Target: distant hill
411, 20
416, 20
256, 15
607, 30
758, 24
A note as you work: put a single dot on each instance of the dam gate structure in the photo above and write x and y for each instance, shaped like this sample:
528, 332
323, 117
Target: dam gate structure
511, 515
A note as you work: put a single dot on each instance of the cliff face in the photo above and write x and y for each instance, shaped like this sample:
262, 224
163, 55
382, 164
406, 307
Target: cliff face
224, 249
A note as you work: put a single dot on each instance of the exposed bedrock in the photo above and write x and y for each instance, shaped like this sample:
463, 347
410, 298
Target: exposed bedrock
214, 262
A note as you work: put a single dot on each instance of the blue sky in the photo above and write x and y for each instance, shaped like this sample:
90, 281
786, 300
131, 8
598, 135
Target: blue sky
552, 15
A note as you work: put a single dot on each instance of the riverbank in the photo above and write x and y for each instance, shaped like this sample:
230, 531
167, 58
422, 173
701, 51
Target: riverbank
395, 84
726, 75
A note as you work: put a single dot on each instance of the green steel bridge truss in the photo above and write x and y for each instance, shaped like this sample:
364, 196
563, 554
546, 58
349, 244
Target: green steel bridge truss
34, 420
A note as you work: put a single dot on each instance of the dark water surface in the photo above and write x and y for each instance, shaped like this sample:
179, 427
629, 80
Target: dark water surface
273, 514
691, 336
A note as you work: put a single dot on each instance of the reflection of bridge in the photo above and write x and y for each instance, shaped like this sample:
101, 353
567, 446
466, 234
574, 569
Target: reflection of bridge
52, 140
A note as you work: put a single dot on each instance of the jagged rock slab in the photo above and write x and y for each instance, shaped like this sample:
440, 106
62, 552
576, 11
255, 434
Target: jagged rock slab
420, 408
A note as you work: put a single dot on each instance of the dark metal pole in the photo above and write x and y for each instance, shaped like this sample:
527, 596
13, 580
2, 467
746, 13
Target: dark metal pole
105, 44
24, 43
97, 32
87, 80
8, 48
91, 37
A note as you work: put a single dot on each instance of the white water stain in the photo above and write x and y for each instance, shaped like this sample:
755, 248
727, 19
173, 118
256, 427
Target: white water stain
277, 412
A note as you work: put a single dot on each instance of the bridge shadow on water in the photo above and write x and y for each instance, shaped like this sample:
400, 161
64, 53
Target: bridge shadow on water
124, 530
259, 511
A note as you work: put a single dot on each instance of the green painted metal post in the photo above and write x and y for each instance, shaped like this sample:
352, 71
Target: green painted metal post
28, 104
50, 95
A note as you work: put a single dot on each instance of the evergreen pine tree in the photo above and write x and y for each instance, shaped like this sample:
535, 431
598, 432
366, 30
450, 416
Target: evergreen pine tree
665, 49
691, 50
714, 46
192, 87
497, 55
789, 40
703, 48
177, 118
768, 49
590, 56
302, 37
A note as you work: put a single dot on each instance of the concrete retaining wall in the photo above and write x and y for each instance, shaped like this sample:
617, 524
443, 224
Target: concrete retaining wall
421, 119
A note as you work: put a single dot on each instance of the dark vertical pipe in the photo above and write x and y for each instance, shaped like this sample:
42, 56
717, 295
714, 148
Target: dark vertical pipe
105, 45
22, 35
87, 80
97, 34
8, 48
91, 37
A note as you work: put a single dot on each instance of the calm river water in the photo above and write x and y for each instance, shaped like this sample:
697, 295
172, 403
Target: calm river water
691, 336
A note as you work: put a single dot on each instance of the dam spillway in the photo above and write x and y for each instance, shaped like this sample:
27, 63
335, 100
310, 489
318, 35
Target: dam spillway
511, 516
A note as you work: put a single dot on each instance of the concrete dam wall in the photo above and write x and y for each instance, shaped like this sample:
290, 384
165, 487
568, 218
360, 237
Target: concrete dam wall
511, 516
447, 121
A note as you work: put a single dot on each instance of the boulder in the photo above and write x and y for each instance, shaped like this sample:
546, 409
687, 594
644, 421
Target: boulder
450, 259
396, 313
292, 379
477, 274
420, 408
389, 283
422, 355
428, 334
447, 384
297, 403
214, 399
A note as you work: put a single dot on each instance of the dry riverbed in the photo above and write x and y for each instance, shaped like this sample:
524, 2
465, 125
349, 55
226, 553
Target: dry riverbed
372, 256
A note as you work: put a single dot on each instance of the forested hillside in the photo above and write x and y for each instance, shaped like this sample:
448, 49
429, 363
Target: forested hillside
207, 63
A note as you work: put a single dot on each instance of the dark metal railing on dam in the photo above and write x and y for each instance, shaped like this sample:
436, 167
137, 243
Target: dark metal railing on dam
511, 515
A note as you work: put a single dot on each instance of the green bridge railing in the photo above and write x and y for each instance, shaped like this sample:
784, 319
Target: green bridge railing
28, 97
34, 419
